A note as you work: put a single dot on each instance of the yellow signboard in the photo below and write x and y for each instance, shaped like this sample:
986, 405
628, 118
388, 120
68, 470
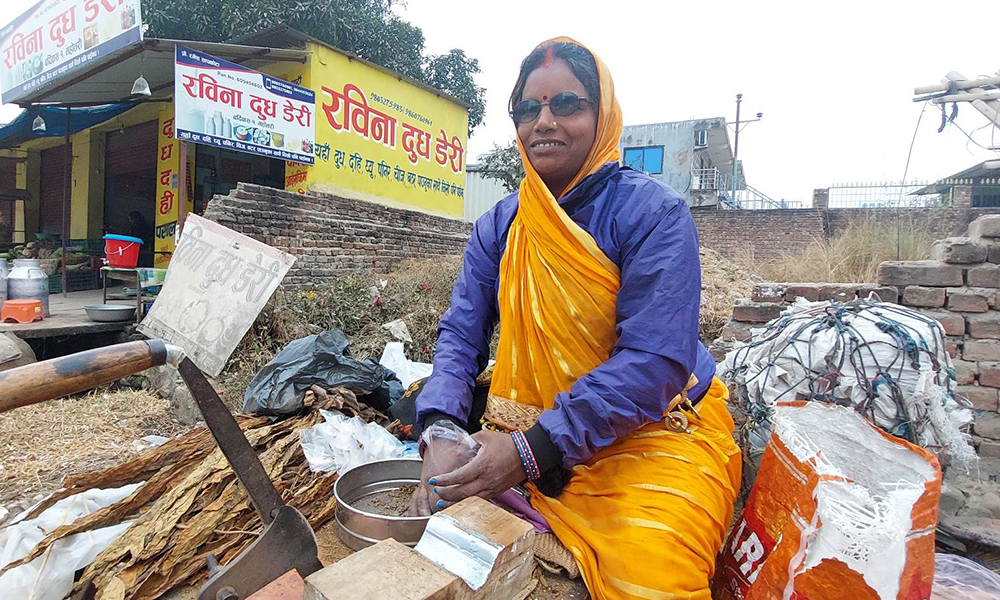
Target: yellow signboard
383, 138
168, 175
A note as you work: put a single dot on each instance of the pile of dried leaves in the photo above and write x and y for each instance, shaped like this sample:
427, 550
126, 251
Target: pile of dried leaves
192, 505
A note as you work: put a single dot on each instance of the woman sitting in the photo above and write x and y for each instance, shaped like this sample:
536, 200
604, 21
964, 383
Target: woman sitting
602, 397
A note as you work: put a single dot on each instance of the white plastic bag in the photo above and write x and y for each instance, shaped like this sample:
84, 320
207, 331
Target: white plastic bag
342, 443
50, 576
957, 578
394, 359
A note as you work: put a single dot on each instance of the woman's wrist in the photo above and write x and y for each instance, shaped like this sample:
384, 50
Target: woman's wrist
527, 457
546, 453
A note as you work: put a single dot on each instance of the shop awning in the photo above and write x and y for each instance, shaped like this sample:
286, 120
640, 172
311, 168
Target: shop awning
111, 77
20, 129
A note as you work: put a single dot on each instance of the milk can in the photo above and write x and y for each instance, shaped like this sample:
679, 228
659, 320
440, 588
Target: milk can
3, 279
28, 281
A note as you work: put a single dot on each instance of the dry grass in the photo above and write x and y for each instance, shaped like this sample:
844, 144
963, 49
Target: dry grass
41, 444
358, 304
723, 282
851, 257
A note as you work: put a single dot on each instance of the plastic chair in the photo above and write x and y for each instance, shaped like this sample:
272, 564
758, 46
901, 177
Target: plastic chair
21, 311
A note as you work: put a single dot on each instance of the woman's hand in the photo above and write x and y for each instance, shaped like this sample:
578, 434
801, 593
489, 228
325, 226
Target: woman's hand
495, 469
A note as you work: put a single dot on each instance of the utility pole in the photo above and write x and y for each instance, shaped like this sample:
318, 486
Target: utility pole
736, 144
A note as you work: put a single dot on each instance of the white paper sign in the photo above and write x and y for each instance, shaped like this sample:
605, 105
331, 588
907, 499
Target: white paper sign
217, 283
56, 37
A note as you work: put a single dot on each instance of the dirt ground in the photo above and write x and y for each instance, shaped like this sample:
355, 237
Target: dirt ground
41, 444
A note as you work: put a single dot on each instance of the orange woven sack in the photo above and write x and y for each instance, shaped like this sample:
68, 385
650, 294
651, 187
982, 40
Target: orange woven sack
839, 510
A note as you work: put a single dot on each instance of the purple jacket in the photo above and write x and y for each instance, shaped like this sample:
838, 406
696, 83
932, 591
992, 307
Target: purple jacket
646, 229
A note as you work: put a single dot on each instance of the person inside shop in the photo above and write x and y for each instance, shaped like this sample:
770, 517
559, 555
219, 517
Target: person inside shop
139, 227
603, 402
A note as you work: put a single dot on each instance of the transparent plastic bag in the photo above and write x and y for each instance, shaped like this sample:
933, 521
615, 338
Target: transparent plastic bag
957, 578
341, 443
447, 447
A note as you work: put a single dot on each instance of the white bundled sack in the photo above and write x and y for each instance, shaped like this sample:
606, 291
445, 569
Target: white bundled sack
50, 576
886, 361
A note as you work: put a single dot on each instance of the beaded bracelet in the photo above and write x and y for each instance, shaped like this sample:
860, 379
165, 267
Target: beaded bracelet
527, 456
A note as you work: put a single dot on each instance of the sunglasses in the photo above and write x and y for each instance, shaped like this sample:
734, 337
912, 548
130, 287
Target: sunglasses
561, 105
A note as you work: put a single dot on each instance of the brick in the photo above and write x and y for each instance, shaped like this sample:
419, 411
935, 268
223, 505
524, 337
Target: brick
929, 273
989, 449
809, 291
981, 350
965, 371
953, 346
987, 425
984, 325
985, 275
768, 292
953, 324
916, 295
987, 226
959, 250
972, 300
838, 292
490, 522
510, 577
756, 312
885, 293
734, 330
386, 570
989, 374
982, 398
289, 586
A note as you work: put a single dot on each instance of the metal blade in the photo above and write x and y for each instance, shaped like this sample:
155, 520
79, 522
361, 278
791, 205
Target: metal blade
238, 451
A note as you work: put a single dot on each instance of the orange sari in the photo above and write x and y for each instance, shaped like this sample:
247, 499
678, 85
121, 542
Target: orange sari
645, 517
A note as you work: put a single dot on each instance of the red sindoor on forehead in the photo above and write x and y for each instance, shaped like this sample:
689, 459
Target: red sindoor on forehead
548, 57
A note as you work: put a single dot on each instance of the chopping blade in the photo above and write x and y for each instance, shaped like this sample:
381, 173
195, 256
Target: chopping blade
287, 542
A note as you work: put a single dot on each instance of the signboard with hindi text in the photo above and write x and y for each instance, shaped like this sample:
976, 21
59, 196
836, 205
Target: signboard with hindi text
56, 37
383, 137
223, 104
217, 283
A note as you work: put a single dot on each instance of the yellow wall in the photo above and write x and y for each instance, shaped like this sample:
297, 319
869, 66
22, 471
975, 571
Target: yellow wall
380, 168
87, 197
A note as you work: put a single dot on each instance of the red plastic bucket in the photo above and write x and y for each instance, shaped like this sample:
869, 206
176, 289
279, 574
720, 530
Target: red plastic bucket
122, 251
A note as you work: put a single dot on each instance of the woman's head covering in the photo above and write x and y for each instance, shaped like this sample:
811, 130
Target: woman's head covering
609, 129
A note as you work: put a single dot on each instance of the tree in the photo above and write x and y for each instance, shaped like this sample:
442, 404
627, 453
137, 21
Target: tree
367, 28
503, 163
453, 72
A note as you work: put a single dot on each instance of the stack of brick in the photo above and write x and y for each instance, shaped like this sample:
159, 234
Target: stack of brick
768, 300
959, 287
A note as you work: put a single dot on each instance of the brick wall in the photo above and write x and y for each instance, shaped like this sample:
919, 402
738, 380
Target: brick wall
959, 287
937, 222
330, 235
771, 233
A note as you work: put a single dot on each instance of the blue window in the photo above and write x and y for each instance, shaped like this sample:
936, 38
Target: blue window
648, 160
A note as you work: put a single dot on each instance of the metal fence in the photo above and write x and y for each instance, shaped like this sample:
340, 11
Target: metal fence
880, 194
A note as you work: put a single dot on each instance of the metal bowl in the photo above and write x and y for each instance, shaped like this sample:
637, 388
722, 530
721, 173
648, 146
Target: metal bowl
109, 313
359, 529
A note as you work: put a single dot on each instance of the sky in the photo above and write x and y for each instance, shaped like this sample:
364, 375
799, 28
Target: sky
834, 80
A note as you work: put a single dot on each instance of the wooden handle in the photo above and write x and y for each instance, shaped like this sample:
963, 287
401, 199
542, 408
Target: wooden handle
66, 375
